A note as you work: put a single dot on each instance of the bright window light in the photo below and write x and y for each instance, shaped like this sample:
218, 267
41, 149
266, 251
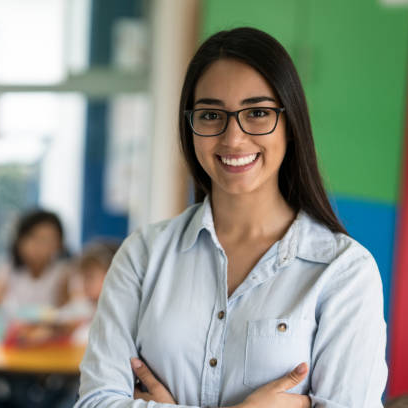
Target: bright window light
31, 41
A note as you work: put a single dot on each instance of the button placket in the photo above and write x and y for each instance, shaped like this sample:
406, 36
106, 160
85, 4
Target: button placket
211, 382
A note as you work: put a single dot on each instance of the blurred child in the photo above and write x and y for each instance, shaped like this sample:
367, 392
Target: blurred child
34, 275
93, 265
91, 269
86, 285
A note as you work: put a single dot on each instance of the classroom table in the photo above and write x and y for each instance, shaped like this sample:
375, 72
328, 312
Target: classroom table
40, 377
61, 359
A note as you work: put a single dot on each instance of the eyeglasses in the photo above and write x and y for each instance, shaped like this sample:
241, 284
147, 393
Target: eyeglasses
253, 121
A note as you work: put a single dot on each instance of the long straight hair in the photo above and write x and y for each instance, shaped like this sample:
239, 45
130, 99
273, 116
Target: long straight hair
299, 178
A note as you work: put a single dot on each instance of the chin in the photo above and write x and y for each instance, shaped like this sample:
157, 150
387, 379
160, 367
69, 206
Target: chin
238, 190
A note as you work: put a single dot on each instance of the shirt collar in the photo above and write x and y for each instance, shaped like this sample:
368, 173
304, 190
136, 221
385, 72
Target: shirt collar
202, 219
306, 238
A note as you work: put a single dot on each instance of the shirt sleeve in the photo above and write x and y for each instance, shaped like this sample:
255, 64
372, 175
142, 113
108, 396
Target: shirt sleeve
348, 358
106, 375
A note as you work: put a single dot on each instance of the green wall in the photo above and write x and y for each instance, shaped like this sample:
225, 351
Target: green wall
352, 58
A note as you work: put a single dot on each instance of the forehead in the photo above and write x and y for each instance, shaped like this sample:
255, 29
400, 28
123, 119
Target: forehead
230, 78
43, 228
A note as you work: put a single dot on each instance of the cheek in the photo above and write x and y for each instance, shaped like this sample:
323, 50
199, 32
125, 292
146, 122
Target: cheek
54, 248
277, 149
281, 148
202, 151
29, 246
23, 248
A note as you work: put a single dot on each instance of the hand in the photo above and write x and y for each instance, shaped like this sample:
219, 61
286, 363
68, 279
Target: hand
273, 394
156, 391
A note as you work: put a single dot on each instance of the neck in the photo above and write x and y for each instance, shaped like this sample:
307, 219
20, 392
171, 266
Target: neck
36, 270
254, 215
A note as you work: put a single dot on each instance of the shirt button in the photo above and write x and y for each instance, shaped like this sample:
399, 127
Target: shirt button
282, 327
221, 314
213, 362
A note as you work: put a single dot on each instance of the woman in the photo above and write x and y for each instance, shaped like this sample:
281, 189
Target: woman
223, 301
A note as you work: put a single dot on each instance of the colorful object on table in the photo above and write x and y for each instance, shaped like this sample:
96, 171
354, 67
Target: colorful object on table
21, 334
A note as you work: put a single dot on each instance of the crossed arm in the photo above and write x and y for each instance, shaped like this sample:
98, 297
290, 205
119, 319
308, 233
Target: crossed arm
272, 394
350, 325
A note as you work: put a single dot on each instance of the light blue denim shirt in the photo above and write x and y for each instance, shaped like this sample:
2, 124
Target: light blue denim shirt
314, 296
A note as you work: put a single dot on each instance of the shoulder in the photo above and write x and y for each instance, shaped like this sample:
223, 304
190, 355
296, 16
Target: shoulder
171, 228
5, 269
347, 266
317, 243
9, 272
160, 235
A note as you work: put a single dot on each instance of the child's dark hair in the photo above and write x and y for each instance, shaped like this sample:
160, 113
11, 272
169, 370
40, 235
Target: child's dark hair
26, 224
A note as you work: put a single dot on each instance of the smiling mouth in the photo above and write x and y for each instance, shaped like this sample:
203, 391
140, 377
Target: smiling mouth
238, 161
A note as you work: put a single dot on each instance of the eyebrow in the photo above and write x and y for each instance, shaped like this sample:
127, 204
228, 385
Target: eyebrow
209, 101
247, 101
257, 99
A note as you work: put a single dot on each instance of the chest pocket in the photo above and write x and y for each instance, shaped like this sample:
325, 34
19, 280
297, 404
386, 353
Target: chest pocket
274, 347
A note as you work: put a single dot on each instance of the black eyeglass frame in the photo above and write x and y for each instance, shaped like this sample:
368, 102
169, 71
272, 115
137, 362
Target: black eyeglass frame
189, 115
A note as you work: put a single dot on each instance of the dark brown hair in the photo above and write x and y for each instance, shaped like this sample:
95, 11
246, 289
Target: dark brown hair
299, 179
27, 223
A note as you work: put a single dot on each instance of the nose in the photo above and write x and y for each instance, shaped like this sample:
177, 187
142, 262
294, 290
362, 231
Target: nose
233, 135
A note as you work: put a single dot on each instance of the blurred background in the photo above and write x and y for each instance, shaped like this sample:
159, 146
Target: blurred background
88, 127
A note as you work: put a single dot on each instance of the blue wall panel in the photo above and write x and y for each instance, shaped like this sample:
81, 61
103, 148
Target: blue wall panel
99, 221
373, 225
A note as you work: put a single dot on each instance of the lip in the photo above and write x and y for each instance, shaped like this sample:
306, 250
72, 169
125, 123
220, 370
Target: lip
237, 169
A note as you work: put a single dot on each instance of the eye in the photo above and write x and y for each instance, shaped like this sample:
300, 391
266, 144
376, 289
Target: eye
258, 113
209, 115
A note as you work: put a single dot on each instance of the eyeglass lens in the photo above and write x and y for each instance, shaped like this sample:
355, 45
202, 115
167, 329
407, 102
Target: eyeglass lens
252, 120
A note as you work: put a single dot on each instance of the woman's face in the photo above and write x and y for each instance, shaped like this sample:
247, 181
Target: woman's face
232, 85
40, 245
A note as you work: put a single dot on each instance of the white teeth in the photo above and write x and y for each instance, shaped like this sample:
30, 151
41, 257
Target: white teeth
242, 161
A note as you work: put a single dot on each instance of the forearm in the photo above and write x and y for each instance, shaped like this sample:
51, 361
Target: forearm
115, 399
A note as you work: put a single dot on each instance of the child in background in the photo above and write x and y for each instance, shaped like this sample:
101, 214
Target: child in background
91, 268
35, 276
33, 284
93, 265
